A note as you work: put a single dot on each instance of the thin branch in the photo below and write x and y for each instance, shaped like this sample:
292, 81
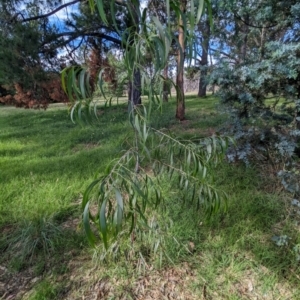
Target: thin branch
51, 12
70, 53
223, 53
75, 35
254, 26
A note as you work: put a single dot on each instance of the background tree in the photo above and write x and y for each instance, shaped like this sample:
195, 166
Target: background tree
262, 64
27, 70
180, 110
204, 27
42, 58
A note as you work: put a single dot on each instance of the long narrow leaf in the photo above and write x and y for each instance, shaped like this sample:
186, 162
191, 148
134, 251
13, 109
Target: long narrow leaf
200, 10
86, 224
103, 223
100, 6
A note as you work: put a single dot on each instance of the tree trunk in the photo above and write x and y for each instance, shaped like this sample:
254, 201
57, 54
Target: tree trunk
134, 89
180, 110
211, 65
134, 86
204, 59
298, 109
166, 84
245, 30
262, 43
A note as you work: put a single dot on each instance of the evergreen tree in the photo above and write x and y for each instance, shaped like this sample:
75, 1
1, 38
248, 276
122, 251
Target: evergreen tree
262, 62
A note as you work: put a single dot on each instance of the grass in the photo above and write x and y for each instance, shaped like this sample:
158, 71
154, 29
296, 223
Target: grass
46, 160
46, 163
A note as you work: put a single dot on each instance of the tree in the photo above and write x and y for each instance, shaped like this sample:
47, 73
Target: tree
125, 190
180, 110
255, 70
41, 59
159, 9
204, 28
28, 73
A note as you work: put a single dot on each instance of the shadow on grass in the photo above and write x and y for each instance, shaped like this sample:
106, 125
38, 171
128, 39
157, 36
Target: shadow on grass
238, 240
33, 270
49, 143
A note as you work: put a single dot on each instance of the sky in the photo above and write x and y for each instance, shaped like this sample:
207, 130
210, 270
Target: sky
59, 19
62, 15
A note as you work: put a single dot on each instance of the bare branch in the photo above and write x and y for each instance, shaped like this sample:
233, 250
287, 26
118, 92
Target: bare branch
254, 26
51, 12
76, 34
223, 53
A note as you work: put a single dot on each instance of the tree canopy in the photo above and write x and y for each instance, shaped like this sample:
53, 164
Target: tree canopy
36, 44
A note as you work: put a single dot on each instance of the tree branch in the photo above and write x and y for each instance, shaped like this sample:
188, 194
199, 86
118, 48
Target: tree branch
51, 12
74, 35
254, 26
223, 53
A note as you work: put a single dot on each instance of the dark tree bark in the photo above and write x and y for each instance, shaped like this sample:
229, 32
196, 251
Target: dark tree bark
245, 29
298, 108
166, 84
204, 59
180, 110
211, 64
134, 89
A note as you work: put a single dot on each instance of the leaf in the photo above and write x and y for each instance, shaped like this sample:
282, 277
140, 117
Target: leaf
119, 210
102, 14
131, 217
112, 11
92, 5
103, 223
87, 192
82, 83
188, 160
168, 12
159, 27
192, 19
74, 107
101, 82
158, 197
186, 184
138, 209
209, 151
86, 224
137, 124
200, 10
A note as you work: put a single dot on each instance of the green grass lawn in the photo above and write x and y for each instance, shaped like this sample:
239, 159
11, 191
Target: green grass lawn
46, 162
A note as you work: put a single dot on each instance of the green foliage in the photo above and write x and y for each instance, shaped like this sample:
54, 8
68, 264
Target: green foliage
126, 190
258, 84
245, 89
129, 185
25, 58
